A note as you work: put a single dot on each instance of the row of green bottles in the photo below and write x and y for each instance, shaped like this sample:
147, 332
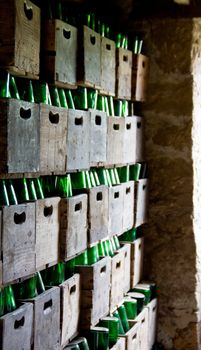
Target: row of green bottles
85, 179
29, 288
123, 42
78, 344
118, 108
98, 338
7, 300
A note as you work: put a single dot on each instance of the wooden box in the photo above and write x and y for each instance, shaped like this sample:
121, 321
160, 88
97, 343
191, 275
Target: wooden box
95, 291
78, 140
132, 337
18, 241
19, 136
129, 143
123, 73
108, 66
152, 309
16, 328
128, 207
59, 52
53, 130
140, 157
141, 202
20, 37
115, 140
143, 322
116, 205
126, 248
140, 75
98, 126
73, 225
70, 308
117, 279
47, 232
89, 58
98, 214
120, 344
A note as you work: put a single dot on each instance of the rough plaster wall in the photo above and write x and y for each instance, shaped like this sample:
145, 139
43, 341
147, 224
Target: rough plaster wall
170, 250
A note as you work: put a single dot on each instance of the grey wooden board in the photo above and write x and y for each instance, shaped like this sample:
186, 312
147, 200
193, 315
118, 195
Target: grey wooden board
132, 337
108, 66
140, 156
116, 204
129, 145
98, 137
128, 211
16, 328
78, 140
18, 241
120, 344
137, 258
98, 213
115, 139
140, 77
143, 321
123, 73
126, 248
141, 203
152, 309
117, 280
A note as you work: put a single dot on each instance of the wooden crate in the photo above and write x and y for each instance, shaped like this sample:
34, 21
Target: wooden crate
78, 140
140, 75
108, 66
20, 37
18, 241
123, 73
89, 58
126, 248
140, 156
115, 140
16, 328
120, 344
128, 205
98, 214
70, 308
152, 309
143, 321
98, 137
95, 291
47, 232
129, 143
141, 202
59, 53
116, 198
73, 225
117, 279
132, 337
19, 136
53, 131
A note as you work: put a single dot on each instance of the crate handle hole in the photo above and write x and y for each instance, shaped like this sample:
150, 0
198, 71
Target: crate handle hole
20, 323
98, 120
78, 206
128, 190
139, 246
47, 306
92, 39
154, 308
54, 118
143, 321
67, 34
143, 64
25, 113
48, 211
103, 270
125, 58
128, 126
116, 195
19, 218
79, 121
116, 126
28, 10
134, 337
99, 196
125, 255
118, 264
108, 47
73, 289
139, 125
144, 187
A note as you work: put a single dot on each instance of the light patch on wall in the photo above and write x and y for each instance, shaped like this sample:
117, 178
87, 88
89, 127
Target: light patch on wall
183, 2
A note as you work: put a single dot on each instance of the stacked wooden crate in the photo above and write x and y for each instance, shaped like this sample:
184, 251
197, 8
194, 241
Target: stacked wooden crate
38, 139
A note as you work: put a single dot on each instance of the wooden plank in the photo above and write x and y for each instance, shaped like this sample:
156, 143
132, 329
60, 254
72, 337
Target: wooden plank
140, 154
98, 214
129, 143
152, 309
126, 248
116, 198
141, 202
132, 337
53, 129
120, 344
70, 308
115, 139
73, 225
78, 140
16, 328
123, 73
47, 231
140, 75
98, 136
143, 321
18, 241
117, 279
137, 256
108, 66
128, 205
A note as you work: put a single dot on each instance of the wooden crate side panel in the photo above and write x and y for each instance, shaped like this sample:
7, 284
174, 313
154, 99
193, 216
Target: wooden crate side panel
143, 320
120, 344
123, 73
23, 137
115, 139
16, 328
47, 231
18, 241
116, 209
126, 248
4, 108
70, 308
141, 205
140, 77
98, 127
140, 147
129, 144
117, 280
47, 320
137, 256
7, 32
53, 129
152, 309
128, 208
108, 66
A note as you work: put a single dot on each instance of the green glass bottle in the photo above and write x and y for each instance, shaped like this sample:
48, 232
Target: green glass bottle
99, 338
92, 255
9, 299
108, 178
118, 40
29, 288
107, 32
118, 108
113, 244
92, 97
4, 200
116, 176
80, 98
70, 268
32, 190
56, 274
152, 286
129, 236
38, 188
29, 95
87, 19
124, 318
11, 193
92, 178
117, 243
135, 171
97, 182
112, 176
58, 10
131, 308
82, 259
125, 109
140, 299
121, 329
48, 184
54, 94
106, 106
101, 103
78, 180
102, 176
62, 186
69, 99
110, 247
111, 106
13, 89
93, 21
101, 250
62, 98
21, 190
124, 173
1, 302
4, 84
88, 180
41, 92
81, 342
39, 283
144, 290
72, 347
106, 248
112, 324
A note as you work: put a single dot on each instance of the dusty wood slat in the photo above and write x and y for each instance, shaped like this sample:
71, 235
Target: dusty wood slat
117, 279
108, 66
141, 202
120, 345
128, 206
116, 204
140, 76
115, 139
126, 248
132, 337
143, 322
123, 73
129, 143
98, 137
152, 325
140, 154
